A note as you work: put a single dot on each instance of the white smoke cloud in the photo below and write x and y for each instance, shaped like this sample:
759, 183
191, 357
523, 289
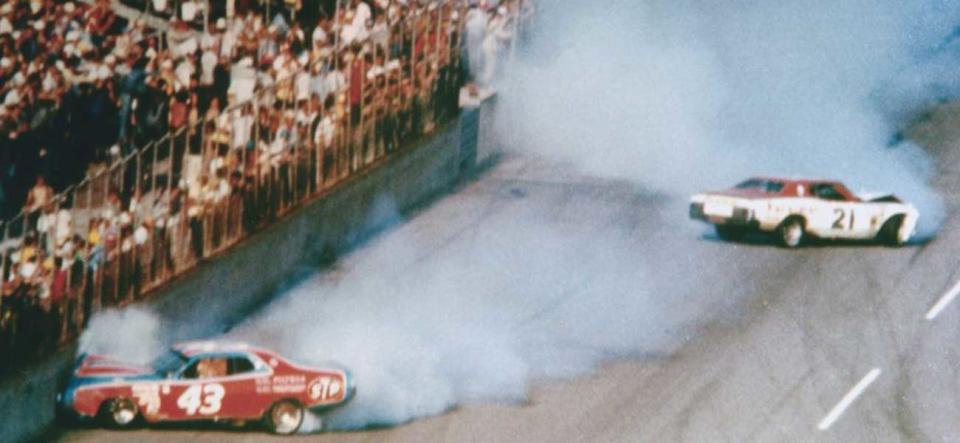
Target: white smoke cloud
425, 329
687, 96
133, 334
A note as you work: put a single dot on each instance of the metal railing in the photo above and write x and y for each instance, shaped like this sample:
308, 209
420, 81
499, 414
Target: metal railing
152, 215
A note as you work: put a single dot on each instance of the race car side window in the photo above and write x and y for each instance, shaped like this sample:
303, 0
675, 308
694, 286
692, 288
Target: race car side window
190, 372
239, 365
768, 186
205, 368
827, 191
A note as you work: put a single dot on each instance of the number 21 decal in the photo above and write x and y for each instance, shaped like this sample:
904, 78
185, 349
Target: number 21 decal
841, 214
205, 399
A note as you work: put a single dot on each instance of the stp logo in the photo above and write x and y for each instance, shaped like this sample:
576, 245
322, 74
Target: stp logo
325, 388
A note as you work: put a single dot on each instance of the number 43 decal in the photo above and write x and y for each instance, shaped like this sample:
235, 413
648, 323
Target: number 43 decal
205, 399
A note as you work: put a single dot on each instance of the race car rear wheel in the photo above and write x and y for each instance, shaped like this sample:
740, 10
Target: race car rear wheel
791, 232
285, 417
891, 232
731, 233
119, 412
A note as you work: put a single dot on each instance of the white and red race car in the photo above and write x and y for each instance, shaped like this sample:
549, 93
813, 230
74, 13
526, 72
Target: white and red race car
797, 209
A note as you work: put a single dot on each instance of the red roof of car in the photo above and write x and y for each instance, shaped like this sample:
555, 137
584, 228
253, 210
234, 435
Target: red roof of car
191, 348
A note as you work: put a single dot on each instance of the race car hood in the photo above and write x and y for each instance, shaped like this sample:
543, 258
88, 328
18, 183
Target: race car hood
98, 369
103, 367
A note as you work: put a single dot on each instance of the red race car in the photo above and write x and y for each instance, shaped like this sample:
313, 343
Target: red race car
205, 381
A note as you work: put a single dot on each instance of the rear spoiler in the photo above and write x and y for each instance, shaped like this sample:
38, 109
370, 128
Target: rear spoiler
880, 198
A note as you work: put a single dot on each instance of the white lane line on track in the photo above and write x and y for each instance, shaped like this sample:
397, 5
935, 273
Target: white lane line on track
848, 399
941, 304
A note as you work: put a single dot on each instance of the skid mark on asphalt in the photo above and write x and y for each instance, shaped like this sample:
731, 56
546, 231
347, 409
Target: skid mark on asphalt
700, 396
918, 252
903, 416
779, 405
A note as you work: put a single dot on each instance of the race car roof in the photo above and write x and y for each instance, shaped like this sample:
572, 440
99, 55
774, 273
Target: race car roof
191, 348
794, 180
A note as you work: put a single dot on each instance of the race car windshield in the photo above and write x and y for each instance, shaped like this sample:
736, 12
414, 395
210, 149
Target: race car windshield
168, 363
770, 187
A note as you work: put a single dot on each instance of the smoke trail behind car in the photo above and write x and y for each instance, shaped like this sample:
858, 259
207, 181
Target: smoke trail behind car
133, 333
477, 319
688, 96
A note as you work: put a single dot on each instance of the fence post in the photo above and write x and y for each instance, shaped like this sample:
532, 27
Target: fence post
139, 177
153, 169
6, 252
171, 155
117, 253
258, 202
53, 246
90, 216
319, 152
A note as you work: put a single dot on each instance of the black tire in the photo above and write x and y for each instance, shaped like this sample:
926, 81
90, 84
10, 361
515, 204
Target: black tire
890, 232
731, 233
285, 417
791, 232
119, 413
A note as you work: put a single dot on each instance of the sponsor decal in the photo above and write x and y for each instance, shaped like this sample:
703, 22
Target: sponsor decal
289, 384
325, 388
263, 386
282, 384
147, 396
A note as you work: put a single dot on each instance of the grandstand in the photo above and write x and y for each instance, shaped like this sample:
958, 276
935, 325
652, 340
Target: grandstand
173, 130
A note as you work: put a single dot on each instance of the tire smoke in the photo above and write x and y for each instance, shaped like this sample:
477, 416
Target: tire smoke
424, 329
132, 333
687, 96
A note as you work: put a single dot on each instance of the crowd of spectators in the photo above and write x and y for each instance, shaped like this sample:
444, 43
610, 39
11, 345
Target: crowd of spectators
209, 136
57, 103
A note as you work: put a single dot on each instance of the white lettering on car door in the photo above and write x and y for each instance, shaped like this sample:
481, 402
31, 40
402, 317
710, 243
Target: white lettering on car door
205, 399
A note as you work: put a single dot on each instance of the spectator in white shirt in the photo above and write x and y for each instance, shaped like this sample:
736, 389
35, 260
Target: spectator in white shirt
242, 122
184, 73
319, 36
362, 13
336, 82
325, 131
301, 85
228, 39
348, 32
380, 33
208, 61
318, 81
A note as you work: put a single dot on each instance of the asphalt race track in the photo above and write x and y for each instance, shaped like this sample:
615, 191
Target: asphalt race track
825, 343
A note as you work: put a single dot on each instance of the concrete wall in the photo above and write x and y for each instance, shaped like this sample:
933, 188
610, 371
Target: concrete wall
225, 289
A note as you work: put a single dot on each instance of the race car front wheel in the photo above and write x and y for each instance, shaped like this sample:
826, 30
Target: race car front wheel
119, 412
791, 232
285, 417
